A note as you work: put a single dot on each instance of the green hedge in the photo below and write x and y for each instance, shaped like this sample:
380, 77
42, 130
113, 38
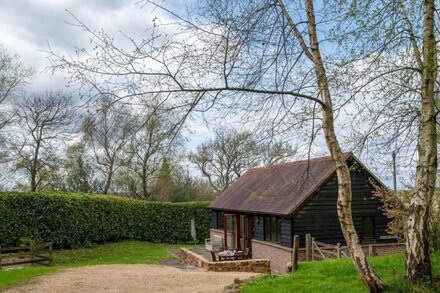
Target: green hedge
73, 220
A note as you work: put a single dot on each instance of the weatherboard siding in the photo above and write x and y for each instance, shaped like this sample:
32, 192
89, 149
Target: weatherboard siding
259, 228
214, 216
318, 215
286, 232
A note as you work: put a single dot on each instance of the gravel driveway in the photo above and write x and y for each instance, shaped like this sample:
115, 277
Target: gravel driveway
131, 278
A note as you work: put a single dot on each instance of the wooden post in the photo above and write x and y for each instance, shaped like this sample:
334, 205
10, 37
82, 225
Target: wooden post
295, 253
394, 172
238, 232
225, 229
31, 250
308, 247
0, 257
50, 253
313, 249
371, 250
338, 250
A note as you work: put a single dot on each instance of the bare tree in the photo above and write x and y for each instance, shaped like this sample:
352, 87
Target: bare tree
397, 77
44, 120
254, 56
226, 157
13, 76
107, 131
155, 139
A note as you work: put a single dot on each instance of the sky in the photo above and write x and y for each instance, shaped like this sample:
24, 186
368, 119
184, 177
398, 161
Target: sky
28, 28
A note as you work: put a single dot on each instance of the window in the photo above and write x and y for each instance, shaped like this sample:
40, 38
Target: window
220, 219
230, 221
272, 229
368, 227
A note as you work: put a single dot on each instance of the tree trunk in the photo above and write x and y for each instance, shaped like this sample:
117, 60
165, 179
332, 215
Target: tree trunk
108, 180
145, 192
34, 166
370, 279
418, 262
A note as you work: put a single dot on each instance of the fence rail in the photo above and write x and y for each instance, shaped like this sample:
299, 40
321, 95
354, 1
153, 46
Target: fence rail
315, 250
321, 250
26, 254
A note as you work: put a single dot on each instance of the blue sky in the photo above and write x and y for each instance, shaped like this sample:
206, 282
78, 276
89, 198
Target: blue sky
27, 27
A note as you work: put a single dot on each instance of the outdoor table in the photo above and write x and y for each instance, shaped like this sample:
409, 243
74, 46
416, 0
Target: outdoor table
230, 255
238, 255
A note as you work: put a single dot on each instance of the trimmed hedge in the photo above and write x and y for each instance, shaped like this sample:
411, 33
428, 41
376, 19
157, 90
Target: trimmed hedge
73, 220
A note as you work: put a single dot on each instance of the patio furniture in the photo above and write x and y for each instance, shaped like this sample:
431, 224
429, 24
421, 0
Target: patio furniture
247, 253
214, 259
213, 244
239, 255
230, 255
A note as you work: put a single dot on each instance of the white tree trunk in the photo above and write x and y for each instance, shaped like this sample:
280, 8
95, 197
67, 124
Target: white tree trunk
370, 279
418, 263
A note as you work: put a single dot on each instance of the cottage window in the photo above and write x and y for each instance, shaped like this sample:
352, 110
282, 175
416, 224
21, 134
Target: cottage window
368, 227
230, 222
220, 220
272, 229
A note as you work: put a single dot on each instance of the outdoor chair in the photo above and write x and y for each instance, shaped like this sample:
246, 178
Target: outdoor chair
214, 259
246, 253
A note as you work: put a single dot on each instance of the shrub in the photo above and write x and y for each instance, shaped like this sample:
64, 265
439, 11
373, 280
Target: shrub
73, 220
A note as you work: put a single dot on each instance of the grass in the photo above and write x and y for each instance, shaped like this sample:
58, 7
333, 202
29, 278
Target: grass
125, 252
340, 276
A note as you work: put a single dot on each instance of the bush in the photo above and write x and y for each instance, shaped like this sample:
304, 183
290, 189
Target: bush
73, 220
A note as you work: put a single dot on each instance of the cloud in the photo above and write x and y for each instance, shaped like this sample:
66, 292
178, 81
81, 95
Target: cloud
27, 27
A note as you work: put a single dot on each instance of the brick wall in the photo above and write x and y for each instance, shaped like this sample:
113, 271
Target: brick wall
280, 256
389, 248
380, 249
251, 265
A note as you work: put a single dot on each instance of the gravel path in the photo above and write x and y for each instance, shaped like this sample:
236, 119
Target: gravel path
130, 278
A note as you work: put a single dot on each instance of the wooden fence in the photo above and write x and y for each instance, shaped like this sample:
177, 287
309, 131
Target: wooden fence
316, 250
321, 250
26, 254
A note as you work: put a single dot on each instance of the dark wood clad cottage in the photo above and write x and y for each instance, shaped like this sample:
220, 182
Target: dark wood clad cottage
274, 203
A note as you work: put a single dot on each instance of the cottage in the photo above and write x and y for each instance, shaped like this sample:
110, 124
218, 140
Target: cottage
266, 206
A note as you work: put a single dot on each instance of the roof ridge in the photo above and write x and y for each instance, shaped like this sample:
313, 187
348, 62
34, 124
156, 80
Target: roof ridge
298, 162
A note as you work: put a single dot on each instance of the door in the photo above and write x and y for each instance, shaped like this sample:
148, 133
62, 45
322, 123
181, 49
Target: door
248, 233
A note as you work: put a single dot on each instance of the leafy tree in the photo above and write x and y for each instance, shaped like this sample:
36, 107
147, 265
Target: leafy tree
79, 171
164, 185
189, 188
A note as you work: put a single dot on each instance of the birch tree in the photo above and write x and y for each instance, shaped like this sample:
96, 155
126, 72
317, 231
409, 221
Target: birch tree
397, 77
254, 56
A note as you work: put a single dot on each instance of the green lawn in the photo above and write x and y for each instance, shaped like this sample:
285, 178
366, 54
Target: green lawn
127, 252
340, 276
